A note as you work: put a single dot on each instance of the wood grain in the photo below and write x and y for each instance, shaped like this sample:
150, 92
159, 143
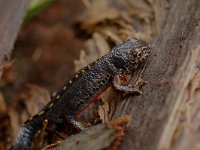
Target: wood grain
171, 67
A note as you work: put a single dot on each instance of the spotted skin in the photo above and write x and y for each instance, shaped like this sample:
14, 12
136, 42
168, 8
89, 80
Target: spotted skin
84, 87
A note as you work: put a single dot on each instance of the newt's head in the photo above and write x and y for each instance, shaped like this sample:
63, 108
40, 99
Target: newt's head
137, 52
128, 55
140, 50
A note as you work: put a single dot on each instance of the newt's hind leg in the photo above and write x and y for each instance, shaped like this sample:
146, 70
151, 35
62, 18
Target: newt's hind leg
120, 84
78, 125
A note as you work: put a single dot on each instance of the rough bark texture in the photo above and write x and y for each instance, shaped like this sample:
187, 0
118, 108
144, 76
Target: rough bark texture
172, 65
11, 17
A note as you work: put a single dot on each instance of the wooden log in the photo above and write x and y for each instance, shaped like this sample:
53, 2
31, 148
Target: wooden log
173, 64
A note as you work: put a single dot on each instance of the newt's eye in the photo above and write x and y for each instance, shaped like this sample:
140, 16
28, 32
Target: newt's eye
139, 54
127, 65
132, 62
121, 71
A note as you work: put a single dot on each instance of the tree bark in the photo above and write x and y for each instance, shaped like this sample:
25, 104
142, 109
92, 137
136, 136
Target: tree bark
172, 73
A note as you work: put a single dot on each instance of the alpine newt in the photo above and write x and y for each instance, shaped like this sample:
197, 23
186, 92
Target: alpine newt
84, 87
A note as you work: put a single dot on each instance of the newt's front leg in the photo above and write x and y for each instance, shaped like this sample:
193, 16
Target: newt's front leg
120, 83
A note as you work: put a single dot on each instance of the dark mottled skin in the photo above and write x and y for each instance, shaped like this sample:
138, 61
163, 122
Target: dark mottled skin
83, 87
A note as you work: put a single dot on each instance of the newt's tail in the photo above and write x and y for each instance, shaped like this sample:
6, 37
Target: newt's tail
24, 139
26, 134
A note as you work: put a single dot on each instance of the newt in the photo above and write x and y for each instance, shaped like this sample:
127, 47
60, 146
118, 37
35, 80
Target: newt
84, 87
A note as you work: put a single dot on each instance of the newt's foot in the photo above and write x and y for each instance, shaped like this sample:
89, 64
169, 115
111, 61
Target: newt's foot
120, 84
78, 125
